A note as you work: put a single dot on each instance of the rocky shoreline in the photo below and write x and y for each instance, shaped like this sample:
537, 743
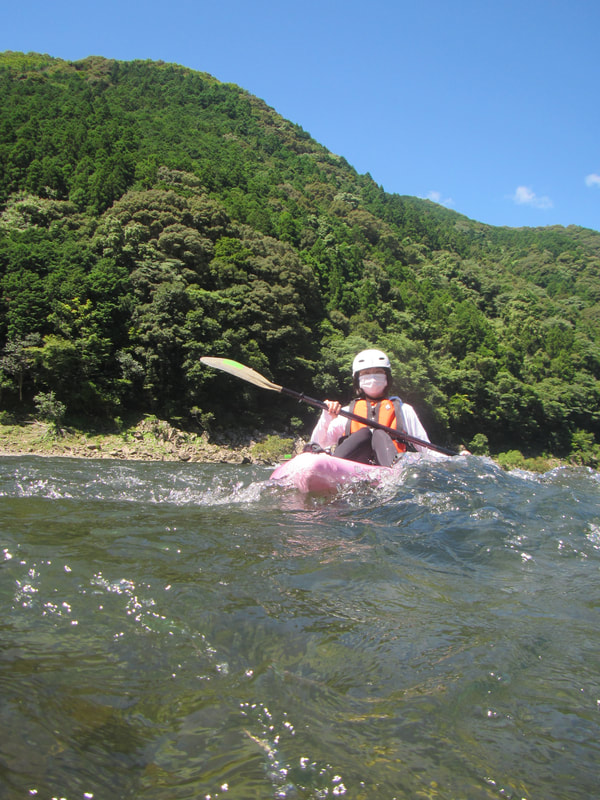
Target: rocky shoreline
149, 440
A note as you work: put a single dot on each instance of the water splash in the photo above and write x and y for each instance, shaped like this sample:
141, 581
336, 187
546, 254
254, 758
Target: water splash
434, 636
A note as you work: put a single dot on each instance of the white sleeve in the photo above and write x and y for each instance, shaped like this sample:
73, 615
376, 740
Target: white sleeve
413, 423
329, 429
415, 428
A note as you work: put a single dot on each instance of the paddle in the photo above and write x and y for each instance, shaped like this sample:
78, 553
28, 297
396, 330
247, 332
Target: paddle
250, 375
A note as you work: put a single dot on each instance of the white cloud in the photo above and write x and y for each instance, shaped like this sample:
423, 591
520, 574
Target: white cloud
592, 180
525, 196
436, 197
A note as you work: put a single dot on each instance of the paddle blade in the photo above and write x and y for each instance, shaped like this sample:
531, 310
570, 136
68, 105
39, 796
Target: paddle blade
240, 371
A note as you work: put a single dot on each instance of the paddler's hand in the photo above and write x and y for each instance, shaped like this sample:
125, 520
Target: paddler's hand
333, 407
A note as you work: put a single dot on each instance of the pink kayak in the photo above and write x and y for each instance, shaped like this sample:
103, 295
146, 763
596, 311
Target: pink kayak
322, 473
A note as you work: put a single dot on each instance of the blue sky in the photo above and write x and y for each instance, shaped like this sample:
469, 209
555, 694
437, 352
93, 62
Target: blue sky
489, 107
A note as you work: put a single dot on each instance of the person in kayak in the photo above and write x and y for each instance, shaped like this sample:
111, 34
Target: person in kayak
371, 375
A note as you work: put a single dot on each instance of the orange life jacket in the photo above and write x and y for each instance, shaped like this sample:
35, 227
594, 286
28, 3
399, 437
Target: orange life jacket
386, 412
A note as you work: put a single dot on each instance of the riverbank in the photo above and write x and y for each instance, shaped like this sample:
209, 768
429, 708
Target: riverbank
150, 439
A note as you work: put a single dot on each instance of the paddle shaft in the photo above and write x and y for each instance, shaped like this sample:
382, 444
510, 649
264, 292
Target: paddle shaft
401, 435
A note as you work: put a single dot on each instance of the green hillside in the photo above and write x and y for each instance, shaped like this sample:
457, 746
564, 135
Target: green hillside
150, 214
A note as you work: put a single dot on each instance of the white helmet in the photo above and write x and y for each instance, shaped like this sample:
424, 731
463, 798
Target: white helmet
367, 359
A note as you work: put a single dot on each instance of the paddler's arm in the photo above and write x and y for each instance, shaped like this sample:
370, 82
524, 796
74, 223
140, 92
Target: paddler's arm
330, 426
415, 428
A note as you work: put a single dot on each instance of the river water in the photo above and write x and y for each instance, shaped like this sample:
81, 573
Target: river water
180, 631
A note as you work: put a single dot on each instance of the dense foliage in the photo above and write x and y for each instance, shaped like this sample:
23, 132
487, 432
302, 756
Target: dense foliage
150, 215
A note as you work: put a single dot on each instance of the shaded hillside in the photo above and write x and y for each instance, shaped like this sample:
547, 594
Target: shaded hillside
150, 214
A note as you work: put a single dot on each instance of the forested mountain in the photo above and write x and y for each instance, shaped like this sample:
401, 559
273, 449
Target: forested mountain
150, 214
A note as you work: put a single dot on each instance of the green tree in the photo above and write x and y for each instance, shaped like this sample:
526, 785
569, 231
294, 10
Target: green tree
18, 358
50, 409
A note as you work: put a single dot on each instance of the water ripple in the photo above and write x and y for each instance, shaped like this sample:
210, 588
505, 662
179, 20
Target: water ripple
182, 630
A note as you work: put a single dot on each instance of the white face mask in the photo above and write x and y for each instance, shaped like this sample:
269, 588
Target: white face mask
373, 385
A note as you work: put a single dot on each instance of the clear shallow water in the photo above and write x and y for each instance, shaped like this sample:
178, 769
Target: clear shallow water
190, 631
